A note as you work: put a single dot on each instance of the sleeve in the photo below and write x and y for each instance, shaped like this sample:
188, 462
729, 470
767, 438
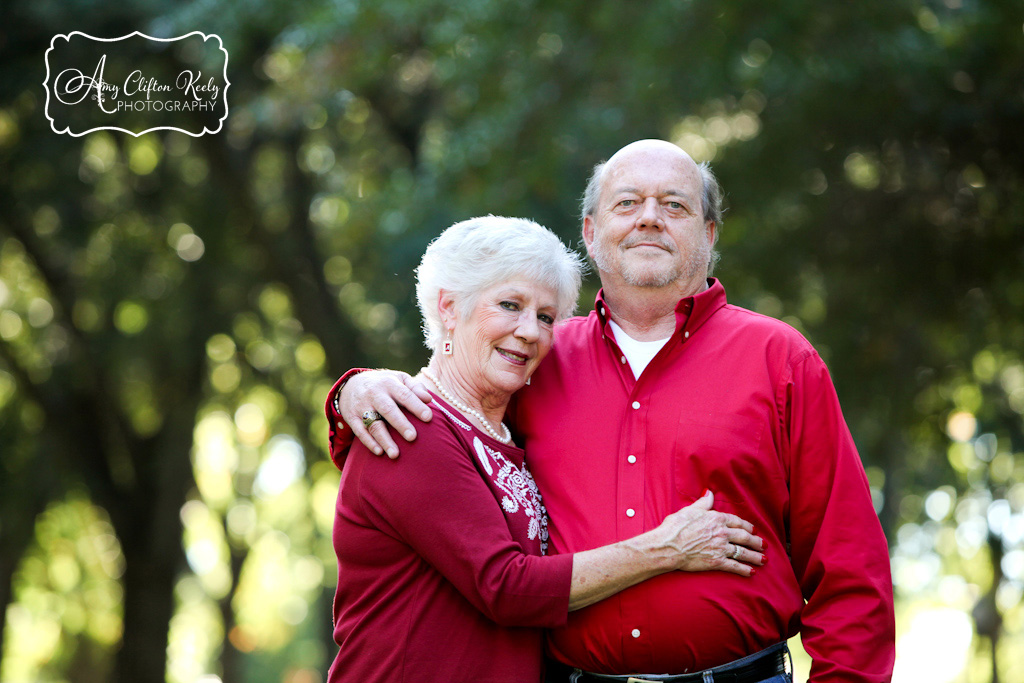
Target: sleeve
339, 435
838, 550
434, 499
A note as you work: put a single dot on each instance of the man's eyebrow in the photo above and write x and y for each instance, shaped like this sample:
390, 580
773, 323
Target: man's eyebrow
666, 193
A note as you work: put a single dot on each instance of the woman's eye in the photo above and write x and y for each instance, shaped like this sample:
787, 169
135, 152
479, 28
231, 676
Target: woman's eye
547, 319
509, 305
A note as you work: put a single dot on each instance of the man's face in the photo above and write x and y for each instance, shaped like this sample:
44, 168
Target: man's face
648, 229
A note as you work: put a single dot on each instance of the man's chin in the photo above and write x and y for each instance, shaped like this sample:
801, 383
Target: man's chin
638, 277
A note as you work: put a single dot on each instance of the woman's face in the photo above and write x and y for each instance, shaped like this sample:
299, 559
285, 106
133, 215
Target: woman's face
506, 335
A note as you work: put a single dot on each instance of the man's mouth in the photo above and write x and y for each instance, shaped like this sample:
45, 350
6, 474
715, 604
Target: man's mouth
648, 244
513, 357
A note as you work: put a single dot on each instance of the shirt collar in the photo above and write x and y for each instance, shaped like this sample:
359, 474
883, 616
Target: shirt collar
691, 311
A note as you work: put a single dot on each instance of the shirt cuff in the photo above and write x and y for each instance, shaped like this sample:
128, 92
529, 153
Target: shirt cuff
340, 438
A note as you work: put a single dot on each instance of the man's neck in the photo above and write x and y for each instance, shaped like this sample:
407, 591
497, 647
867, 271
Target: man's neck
648, 313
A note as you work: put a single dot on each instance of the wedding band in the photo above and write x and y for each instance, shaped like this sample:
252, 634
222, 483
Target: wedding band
371, 416
736, 552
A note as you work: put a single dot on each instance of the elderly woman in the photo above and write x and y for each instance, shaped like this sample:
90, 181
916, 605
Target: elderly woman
442, 574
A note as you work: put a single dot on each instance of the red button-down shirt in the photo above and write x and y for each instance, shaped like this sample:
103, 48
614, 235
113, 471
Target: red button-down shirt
739, 403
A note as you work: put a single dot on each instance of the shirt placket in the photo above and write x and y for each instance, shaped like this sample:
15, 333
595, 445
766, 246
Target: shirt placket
630, 512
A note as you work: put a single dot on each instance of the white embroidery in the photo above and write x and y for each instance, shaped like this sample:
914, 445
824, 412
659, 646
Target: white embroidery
454, 419
520, 492
478, 446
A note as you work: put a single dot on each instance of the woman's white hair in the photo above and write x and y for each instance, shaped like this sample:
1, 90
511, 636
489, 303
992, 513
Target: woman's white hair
478, 253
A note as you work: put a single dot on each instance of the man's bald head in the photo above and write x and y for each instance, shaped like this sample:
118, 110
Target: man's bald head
711, 191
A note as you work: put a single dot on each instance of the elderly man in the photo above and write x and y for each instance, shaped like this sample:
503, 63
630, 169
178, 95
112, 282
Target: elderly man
664, 391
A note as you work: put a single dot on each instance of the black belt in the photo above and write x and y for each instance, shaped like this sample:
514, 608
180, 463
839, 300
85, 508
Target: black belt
751, 669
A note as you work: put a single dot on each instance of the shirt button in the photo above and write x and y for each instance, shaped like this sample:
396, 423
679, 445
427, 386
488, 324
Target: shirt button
341, 425
631, 459
630, 512
636, 404
623, 359
686, 335
635, 633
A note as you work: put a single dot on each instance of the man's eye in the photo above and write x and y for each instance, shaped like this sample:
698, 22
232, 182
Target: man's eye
675, 205
627, 202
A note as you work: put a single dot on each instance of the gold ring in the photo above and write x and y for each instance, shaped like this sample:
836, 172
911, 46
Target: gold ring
371, 416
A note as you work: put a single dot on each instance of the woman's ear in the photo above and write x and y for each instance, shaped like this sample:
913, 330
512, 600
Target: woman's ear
447, 309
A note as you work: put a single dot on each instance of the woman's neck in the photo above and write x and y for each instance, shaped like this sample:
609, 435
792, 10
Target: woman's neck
490, 406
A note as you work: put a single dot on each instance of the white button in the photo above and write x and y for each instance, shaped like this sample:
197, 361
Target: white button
623, 359
686, 335
635, 633
631, 459
636, 404
630, 512
341, 425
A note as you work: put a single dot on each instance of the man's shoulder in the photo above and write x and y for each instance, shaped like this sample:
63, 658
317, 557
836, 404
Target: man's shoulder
770, 331
575, 328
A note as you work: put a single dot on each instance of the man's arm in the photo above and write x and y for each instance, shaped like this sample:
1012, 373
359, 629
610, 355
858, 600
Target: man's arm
383, 391
839, 552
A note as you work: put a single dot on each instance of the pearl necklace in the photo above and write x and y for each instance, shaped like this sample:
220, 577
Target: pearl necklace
469, 411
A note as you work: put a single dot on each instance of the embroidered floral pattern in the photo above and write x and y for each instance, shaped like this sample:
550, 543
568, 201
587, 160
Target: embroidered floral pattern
521, 493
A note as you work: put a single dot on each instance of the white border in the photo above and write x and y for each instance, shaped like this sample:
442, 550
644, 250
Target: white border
67, 38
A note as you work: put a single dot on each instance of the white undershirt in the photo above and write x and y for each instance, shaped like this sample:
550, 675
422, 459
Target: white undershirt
638, 353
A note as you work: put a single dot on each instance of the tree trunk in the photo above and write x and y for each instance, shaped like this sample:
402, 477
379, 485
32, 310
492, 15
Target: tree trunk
148, 606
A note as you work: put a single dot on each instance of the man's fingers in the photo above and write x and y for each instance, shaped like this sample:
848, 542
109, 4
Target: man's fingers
407, 397
394, 416
365, 438
419, 390
380, 434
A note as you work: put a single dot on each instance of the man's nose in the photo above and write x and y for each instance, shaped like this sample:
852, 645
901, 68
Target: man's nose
651, 215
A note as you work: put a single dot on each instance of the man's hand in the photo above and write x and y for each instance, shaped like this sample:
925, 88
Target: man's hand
700, 539
385, 391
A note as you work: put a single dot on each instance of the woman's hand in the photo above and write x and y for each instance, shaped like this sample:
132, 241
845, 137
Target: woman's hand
386, 392
697, 538
693, 539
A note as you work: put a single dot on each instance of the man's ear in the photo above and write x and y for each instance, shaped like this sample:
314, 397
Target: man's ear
588, 234
711, 230
447, 309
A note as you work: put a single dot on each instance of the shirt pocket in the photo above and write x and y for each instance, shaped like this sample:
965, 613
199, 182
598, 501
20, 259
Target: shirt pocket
723, 452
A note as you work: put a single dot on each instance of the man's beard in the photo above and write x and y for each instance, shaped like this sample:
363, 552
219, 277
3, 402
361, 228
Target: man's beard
695, 262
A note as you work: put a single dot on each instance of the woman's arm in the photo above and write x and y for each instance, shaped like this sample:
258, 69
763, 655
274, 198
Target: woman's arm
435, 500
696, 538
